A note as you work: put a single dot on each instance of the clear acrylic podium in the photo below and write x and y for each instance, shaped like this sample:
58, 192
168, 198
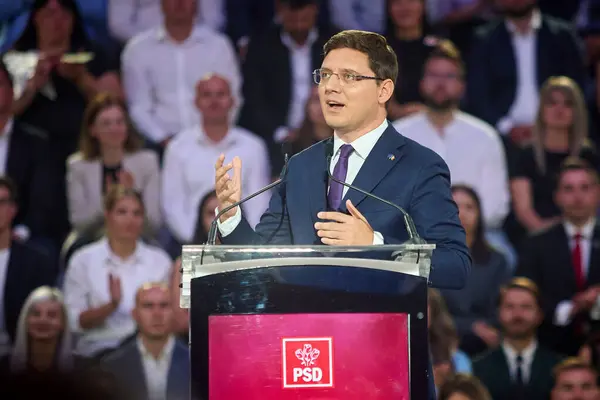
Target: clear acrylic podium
307, 322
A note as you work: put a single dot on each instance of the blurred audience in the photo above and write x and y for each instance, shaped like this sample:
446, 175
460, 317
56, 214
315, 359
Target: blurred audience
407, 37
155, 365
313, 129
575, 380
190, 158
128, 18
470, 147
102, 278
51, 91
366, 15
43, 342
474, 307
23, 267
110, 154
520, 368
510, 60
560, 131
161, 94
277, 75
564, 259
463, 387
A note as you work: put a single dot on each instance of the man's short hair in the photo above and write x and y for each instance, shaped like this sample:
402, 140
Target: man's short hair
446, 50
571, 364
11, 188
150, 285
576, 164
521, 283
382, 58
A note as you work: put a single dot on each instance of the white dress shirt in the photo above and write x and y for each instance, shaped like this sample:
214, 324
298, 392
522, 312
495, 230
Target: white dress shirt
127, 18
563, 309
156, 370
525, 105
188, 175
366, 15
474, 154
86, 286
362, 147
160, 77
302, 81
527, 354
5, 344
5, 145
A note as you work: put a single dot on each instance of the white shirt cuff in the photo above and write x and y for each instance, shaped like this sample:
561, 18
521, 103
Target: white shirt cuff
281, 134
562, 315
377, 238
225, 228
505, 125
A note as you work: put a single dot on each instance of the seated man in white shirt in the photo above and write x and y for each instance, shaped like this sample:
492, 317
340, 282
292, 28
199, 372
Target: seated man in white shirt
161, 66
102, 278
155, 366
471, 148
189, 160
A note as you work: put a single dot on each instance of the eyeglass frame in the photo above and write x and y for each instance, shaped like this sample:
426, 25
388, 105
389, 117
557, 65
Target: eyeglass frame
357, 78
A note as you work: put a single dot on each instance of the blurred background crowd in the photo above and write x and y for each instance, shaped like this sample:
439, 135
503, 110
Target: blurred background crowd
107, 168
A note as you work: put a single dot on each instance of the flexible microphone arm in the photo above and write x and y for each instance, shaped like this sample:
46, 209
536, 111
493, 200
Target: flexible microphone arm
212, 232
414, 237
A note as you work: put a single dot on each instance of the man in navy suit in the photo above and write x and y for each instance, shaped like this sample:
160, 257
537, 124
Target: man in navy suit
355, 81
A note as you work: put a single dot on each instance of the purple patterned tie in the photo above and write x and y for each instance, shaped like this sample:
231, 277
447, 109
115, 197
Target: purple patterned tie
334, 197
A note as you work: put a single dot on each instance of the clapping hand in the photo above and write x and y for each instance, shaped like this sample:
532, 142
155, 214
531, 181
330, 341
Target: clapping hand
228, 189
343, 229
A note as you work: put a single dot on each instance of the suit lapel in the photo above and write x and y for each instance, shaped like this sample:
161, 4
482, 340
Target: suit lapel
384, 156
504, 378
136, 366
317, 188
543, 48
507, 54
177, 378
12, 278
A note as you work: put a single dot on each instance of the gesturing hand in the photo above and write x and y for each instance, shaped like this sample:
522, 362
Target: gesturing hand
344, 230
114, 285
229, 190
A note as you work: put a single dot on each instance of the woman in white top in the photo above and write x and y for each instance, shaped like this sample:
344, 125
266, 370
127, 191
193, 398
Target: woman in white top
110, 153
102, 278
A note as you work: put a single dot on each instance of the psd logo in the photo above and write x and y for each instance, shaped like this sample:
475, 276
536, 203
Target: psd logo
307, 362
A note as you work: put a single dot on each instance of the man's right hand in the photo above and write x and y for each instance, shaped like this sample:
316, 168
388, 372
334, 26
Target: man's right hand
229, 190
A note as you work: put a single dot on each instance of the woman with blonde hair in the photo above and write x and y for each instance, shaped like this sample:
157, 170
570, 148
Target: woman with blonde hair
110, 154
560, 131
43, 341
103, 277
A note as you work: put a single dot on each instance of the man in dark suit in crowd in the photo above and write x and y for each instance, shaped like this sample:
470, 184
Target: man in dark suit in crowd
510, 60
520, 368
277, 75
23, 267
23, 157
355, 81
564, 260
155, 365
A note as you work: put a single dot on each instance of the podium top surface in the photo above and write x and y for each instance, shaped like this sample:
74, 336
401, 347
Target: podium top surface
305, 249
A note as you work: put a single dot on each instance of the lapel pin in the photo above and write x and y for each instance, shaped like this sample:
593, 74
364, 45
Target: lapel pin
391, 157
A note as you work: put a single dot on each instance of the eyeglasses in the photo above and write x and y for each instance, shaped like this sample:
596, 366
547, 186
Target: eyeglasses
346, 78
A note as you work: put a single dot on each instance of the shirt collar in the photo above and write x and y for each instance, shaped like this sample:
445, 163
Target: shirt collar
229, 139
535, 24
165, 354
135, 257
364, 144
198, 33
290, 43
7, 129
587, 230
527, 353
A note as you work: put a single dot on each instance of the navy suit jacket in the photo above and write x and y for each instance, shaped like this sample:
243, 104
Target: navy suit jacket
397, 169
126, 365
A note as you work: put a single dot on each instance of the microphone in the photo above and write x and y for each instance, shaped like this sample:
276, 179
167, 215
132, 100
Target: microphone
212, 232
409, 225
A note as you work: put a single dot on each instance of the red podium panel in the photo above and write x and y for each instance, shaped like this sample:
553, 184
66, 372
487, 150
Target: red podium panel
309, 356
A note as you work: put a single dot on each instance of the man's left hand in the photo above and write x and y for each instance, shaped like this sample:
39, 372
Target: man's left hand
343, 229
